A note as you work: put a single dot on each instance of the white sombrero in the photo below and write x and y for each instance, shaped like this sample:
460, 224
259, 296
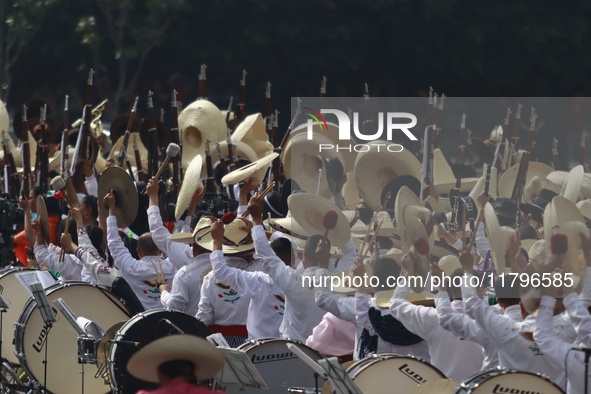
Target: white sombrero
200, 121
309, 210
585, 208
407, 207
561, 216
332, 133
422, 263
208, 359
499, 237
449, 264
373, 171
302, 162
256, 169
444, 178
535, 169
251, 131
191, 184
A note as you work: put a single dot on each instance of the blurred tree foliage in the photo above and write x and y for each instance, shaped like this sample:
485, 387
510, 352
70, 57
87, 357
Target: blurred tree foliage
400, 47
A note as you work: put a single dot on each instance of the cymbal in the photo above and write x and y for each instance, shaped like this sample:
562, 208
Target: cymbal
43, 218
126, 196
104, 345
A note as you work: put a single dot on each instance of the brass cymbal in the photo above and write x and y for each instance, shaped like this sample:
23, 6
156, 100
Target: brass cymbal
126, 196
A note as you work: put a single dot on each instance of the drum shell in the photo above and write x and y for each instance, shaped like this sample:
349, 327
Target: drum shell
144, 328
63, 370
372, 374
278, 366
12, 290
507, 381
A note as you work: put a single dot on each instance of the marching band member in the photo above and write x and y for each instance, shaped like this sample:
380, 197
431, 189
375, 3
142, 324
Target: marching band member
144, 275
265, 311
457, 359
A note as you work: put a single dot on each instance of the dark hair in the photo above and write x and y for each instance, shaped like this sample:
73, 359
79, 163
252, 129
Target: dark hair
282, 248
146, 244
130, 244
91, 202
53, 206
71, 230
365, 213
95, 234
385, 268
197, 217
179, 369
312, 244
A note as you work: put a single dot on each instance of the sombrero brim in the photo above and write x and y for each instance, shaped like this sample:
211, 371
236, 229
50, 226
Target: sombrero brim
208, 360
255, 169
191, 184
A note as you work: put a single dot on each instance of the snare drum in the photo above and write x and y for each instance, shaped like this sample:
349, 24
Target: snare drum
32, 336
144, 328
381, 372
507, 381
16, 295
279, 367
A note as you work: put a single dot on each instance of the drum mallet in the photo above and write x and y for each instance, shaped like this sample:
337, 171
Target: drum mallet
171, 151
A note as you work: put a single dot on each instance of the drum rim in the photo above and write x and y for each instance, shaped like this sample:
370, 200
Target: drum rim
253, 343
504, 371
378, 357
15, 269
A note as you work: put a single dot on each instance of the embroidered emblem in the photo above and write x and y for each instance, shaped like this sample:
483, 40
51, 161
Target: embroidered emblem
226, 295
281, 308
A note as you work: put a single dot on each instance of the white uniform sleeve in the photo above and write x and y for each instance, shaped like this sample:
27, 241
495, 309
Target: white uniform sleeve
349, 257
580, 318
456, 322
283, 276
88, 254
178, 297
362, 312
175, 251
499, 328
420, 320
71, 267
91, 185
205, 313
585, 295
341, 307
554, 347
246, 283
482, 245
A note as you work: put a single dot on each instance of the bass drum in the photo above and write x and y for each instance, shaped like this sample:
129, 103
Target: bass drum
144, 328
507, 381
16, 295
34, 338
375, 373
279, 367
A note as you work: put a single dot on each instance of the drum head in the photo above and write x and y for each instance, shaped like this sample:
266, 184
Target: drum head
402, 372
505, 381
278, 366
16, 295
145, 328
34, 337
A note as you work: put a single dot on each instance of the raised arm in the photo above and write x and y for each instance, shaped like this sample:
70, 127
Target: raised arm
341, 307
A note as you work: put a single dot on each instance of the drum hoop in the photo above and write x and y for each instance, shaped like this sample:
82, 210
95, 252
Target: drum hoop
490, 373
378, 357
13, 270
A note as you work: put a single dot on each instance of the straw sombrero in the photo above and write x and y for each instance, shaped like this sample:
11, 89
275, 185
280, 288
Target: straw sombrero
375, 169
479, 187
499, 237
561, 216
449, 264
585, 208
535, 169
309, 210
331, 131
208, 359
406, 207
444, 178
251, 131
191, 184
302, 162
4, 118
256, 169
201, 120
574, 181
422, 263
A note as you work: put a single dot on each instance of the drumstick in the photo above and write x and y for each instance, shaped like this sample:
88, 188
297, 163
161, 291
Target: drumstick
367, 234
260, 197
375, 234
66, 231
161, 270
160, 278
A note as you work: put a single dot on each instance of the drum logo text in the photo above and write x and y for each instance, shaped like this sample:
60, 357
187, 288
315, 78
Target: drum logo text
406, 370
42, 339
265, 358
500, 389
